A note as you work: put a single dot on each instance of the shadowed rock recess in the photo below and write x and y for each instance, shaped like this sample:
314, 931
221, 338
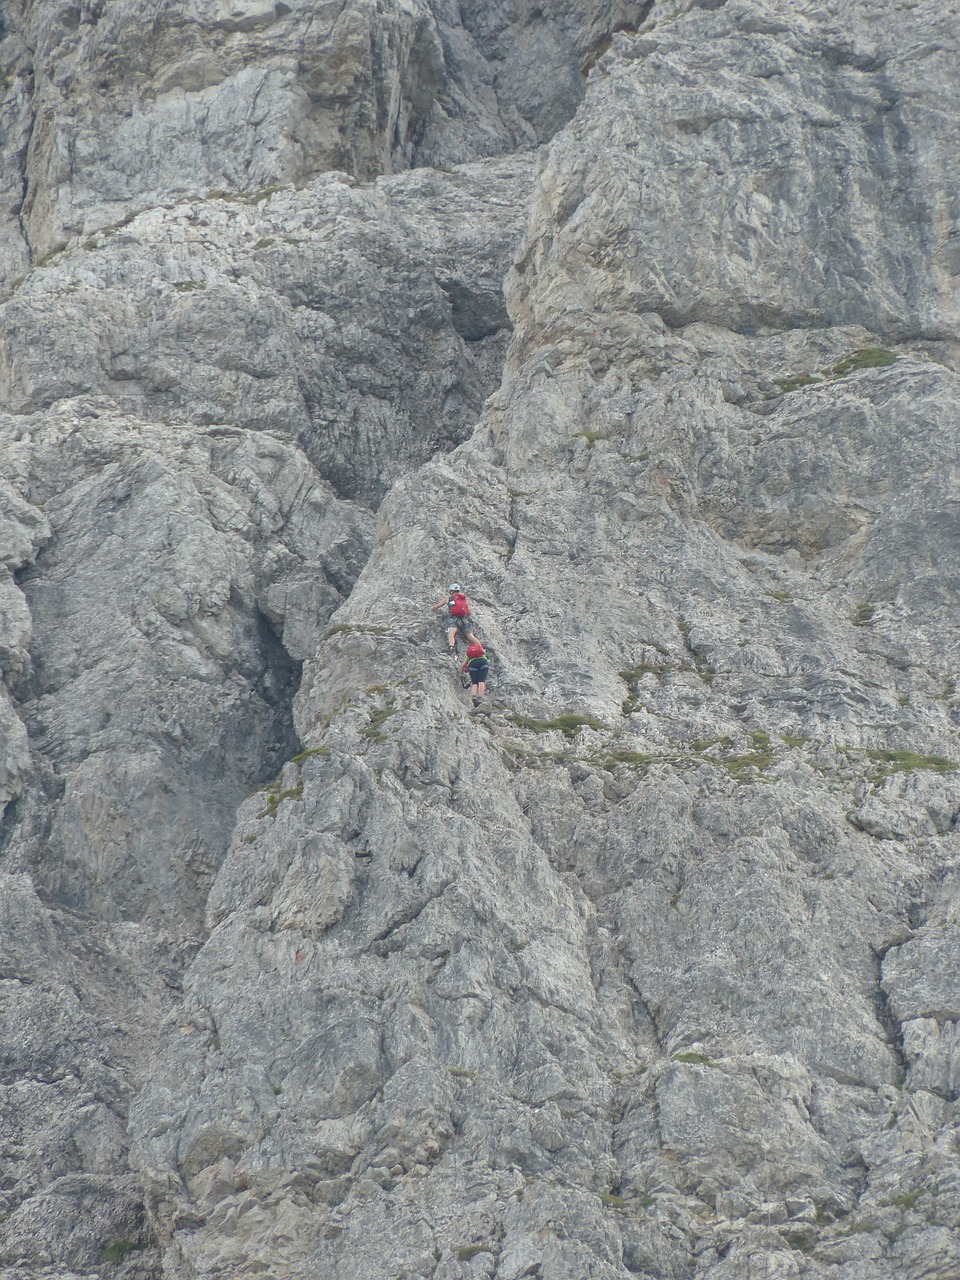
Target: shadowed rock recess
643, 321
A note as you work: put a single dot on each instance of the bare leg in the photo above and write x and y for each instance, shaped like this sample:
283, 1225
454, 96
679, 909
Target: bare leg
452, 638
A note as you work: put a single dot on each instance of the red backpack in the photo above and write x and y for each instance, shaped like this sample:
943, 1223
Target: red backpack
458, 605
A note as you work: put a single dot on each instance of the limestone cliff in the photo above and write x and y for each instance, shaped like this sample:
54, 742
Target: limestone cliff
642, 321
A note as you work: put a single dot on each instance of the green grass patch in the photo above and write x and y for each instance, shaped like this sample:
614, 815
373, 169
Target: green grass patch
630, 1074
742, 767
265, 242
352, 629
310, 751
863, 615
264, 193
865, 358
910, 762
635, 758
698, 1059
611, 1201
704, 744
117, 1251
592, 437
793, 740
468, 1251
49, 256
378, 719
633, 675
568, 725
866, 1226
276, 798
798, 380
121, 222
705, 670
906, 1200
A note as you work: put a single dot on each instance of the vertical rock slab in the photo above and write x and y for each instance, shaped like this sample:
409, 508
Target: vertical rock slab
73, 1003
757, 169
144, 682
332, 316
124, 107
594, 982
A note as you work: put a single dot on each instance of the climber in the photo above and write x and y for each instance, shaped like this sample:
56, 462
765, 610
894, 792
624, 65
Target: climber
458, 613
477, 667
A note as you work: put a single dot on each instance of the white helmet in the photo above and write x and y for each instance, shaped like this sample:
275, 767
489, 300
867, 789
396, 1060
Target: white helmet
455, 586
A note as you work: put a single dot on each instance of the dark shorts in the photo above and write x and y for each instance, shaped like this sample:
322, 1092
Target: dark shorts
463, 625
478, 675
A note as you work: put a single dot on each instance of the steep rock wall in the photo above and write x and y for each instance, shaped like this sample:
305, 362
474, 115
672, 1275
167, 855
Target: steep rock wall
116, 108
334, 315
195, 404
647, 971
651, 968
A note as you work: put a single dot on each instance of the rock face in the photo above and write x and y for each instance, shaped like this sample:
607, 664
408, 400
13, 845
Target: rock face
337, 316
113, 109
649, 967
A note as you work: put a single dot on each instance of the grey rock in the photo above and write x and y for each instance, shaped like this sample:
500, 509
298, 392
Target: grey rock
145, 671
675, 1011
70, 1048
117, 109
920, 974
777, 131
932, 1047
652, 970
331, 315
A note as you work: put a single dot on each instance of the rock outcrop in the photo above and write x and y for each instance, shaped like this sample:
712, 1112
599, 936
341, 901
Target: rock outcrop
367, 324
649, 967
111, 109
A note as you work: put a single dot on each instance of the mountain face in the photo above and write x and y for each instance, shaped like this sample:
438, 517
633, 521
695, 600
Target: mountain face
642, 321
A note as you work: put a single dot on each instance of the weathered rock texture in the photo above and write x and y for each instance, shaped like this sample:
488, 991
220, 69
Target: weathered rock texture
365, 323
651, 967
113, 108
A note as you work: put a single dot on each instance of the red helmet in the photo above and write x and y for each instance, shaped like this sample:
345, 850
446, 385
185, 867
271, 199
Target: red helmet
474, 650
